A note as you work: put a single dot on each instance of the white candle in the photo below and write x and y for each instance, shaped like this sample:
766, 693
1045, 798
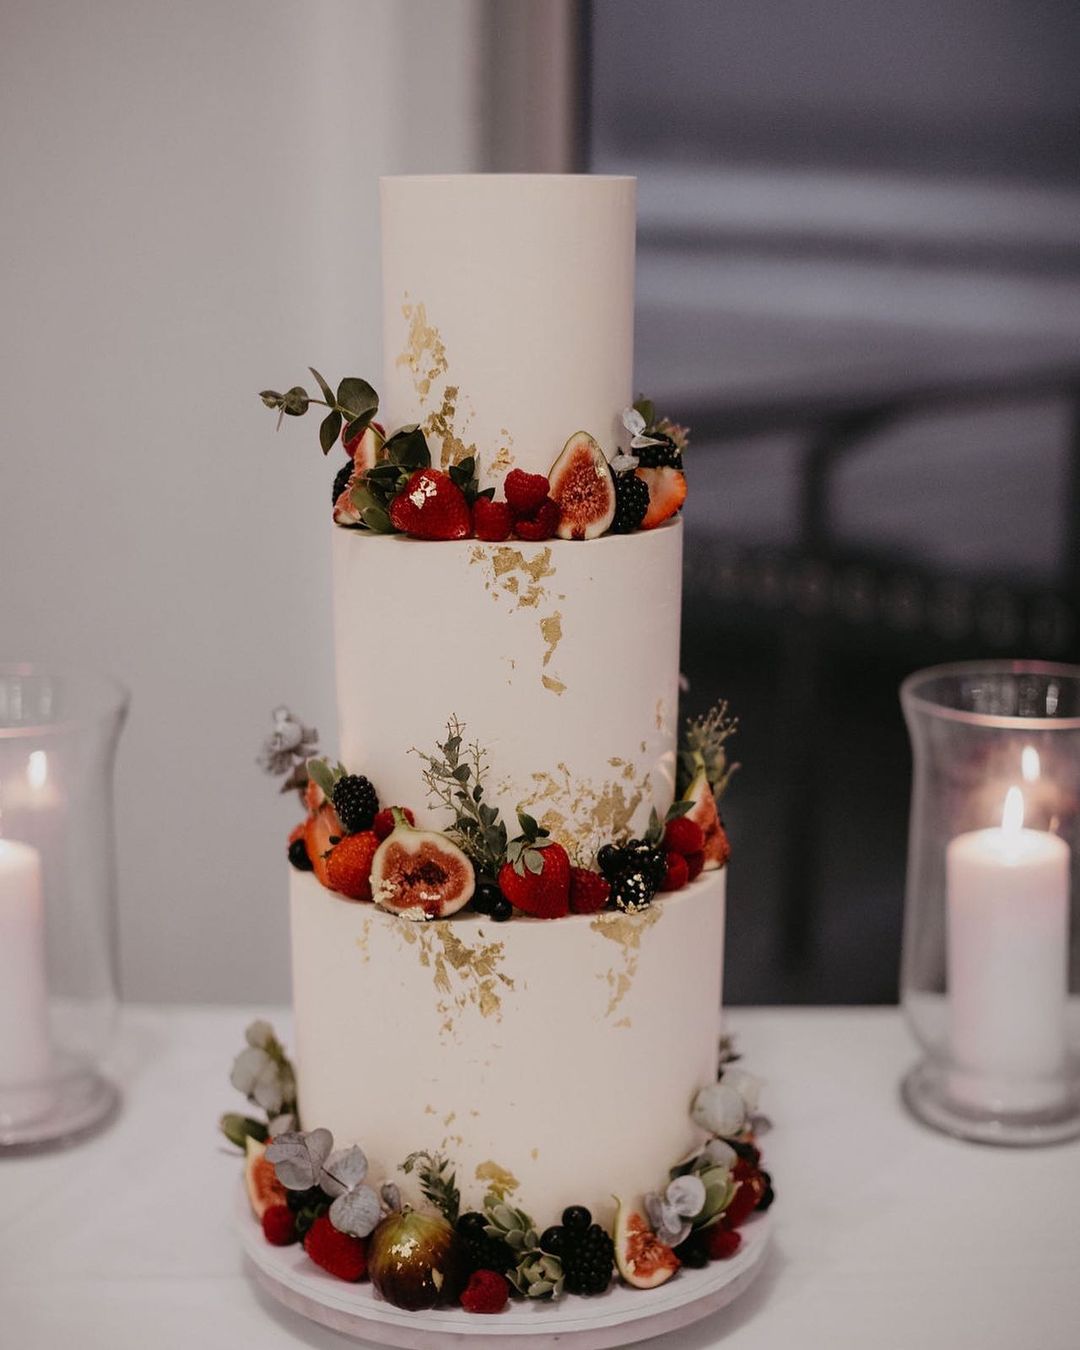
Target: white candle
25, 1052
1007, 943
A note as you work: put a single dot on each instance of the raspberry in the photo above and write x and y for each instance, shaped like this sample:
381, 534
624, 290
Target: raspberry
486, 1292
723, 1243
525, 492
694, 864
745, 1200
541, 525
588, 891
683, 835
492, 521
279, 1226
383, 824
338, 1253
677, 874
348, 868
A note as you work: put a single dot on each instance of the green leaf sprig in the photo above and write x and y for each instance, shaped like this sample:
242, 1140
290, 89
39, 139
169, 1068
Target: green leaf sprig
353, 406
438, 1181
703, 746
454, 777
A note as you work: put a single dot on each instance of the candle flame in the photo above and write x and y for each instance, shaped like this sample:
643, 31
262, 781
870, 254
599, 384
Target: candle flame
1012, 817
37, 769
1029, 764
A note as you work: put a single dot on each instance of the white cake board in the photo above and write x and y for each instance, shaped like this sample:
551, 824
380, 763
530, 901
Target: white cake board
622, 1316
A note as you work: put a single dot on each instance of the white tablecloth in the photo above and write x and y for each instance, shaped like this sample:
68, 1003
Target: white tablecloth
887, 1236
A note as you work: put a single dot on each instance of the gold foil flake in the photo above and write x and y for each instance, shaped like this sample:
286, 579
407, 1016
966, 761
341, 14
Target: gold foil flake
534, 1153
363, 942
514, 575
660, 719
499, 1179
582, 814
555, 685
503, 460
441, 424
626, 930
624, 1022
551, 632
449, 1120
464, 977
424, 352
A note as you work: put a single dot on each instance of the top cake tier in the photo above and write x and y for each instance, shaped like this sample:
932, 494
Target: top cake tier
508, 314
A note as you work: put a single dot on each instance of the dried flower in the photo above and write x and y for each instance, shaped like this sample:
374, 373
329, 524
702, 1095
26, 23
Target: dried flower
286, 750
671, 1214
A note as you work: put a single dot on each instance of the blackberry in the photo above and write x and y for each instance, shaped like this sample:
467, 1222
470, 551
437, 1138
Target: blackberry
307, 1206
298, 856
768, 1195
632, 891
641, 856
484, 1252
665, 455
610, 861
631, 502
588, 1259
693, 1252
341, 480
356, 802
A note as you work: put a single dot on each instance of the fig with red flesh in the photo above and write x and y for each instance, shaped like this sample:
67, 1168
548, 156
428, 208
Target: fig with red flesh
703, 812
420, 874
583, 489
643, 1260
417, 1260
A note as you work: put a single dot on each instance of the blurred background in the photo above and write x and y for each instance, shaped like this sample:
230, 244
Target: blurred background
859, 282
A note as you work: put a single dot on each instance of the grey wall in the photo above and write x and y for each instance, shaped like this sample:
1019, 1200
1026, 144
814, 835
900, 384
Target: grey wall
189, 214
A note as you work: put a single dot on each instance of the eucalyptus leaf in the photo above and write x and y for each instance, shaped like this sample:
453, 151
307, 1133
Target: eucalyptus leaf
343, 1170
321, 775
327, 392
356, 1212
295, 403
237, 1129
329, 430
260, 1034
376, 519
298, 1157
358, 426
357, 398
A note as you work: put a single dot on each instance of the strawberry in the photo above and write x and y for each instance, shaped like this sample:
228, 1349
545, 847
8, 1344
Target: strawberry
431, 506
677, 874
667, 492
683, 835
319, 829
348, 867
695, 862
383, 823
589, 891
492, 521
525, 491
536, 876
338, 1253
722, 1243
541, 524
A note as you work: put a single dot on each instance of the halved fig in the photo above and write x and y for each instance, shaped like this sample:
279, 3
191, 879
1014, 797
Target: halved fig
704, 813
643, 1260
583, 488
365, 449
420, 874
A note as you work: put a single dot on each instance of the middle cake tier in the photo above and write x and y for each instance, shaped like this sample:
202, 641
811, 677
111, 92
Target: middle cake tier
561, 659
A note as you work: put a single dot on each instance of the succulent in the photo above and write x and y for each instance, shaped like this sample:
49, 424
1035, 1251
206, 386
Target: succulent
536, 1274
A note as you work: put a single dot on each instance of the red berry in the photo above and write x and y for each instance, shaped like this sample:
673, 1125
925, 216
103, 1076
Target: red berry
544, 894
525, 491
492, 521
541, 524
348, 868
431, 506
383, 824
677, 874
745, 1200
278, 1225
589, 891
486, 1292
338, 1253
683, 835
694, 864
723, 1243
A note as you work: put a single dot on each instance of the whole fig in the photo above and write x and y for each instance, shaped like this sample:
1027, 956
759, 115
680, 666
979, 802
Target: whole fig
417, 1260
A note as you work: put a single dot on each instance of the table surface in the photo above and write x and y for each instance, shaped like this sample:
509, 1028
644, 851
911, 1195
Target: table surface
886, 1234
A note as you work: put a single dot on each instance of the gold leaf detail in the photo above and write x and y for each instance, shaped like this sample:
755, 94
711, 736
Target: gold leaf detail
424, 352
626, 930
499, 1179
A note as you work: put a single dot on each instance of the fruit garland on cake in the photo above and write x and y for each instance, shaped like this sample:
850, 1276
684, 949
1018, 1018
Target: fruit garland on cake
302, 1190
388, 485
366, 851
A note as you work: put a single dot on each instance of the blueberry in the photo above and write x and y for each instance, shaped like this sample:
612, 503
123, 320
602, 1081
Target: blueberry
501, 909
552, 1240
577, 1218
298, 856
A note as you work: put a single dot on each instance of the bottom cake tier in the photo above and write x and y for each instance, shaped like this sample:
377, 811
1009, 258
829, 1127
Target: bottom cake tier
554, 1061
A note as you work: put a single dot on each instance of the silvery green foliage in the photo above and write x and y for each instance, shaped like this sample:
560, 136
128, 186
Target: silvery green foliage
286, 750
390, 1194
719, 1109
263, 1073
356, 1208
672, 1213
747, 1085
719, 1153
281, 1124
298, 1157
